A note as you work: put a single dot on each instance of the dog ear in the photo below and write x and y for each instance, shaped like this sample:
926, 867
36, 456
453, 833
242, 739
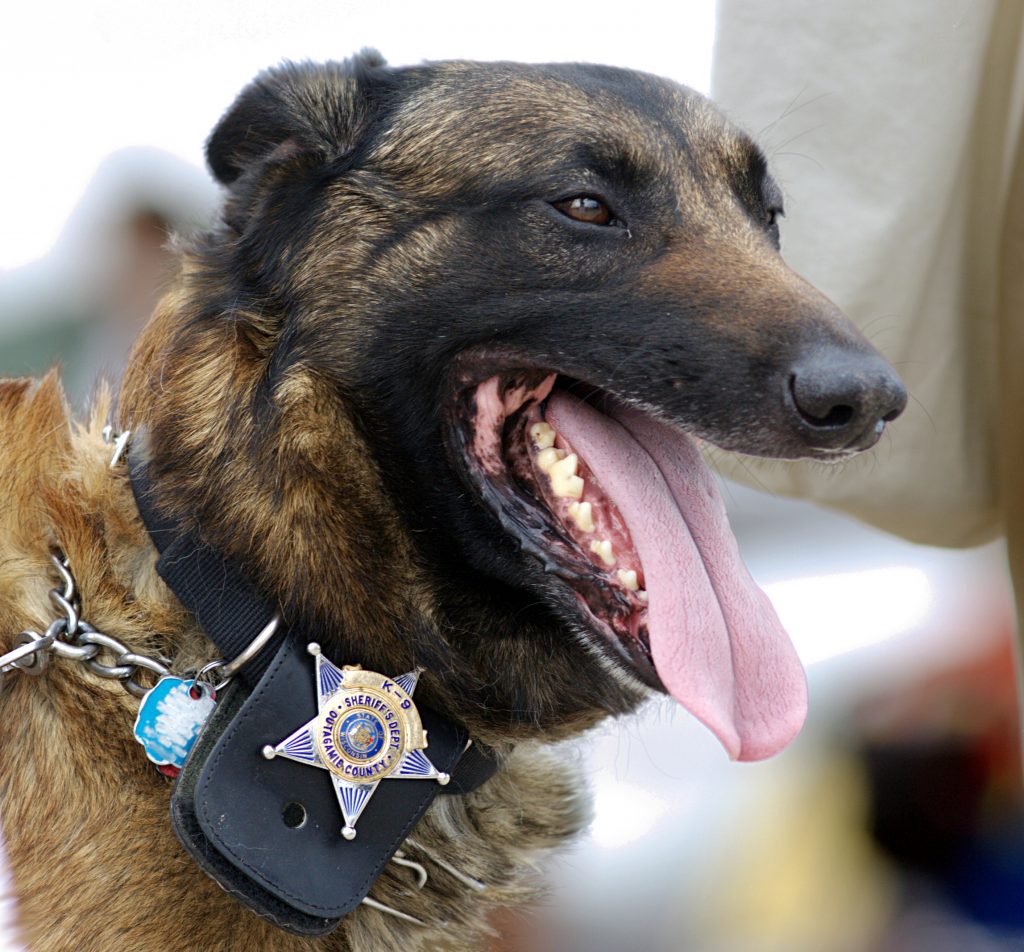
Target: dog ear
295, 108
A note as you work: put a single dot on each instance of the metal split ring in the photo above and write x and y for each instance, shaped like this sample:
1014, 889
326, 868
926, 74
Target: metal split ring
217, 687
229, 669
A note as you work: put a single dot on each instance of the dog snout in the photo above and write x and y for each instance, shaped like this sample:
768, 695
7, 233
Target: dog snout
842, 400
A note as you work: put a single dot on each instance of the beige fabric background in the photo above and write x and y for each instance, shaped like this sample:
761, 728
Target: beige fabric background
893, 129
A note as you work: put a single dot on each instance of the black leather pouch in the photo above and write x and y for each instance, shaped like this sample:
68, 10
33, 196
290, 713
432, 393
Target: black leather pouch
269, 831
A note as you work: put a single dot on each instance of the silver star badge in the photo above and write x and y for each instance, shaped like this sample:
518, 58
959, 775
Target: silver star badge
366, 730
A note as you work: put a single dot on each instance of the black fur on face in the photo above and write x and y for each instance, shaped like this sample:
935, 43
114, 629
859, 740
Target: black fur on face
400, 236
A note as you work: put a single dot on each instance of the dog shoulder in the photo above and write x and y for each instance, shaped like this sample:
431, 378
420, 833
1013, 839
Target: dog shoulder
33, 417
35, 446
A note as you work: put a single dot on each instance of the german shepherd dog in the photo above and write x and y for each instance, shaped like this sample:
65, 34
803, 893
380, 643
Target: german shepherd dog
435, 382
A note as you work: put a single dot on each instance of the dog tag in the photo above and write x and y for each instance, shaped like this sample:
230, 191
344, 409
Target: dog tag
170, 719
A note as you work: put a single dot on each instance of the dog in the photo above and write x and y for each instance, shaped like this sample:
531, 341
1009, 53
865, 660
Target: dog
436, 383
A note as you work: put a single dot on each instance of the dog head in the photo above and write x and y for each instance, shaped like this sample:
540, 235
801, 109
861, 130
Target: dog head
434, 383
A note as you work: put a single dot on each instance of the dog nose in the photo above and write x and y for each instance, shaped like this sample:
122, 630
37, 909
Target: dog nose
843, 400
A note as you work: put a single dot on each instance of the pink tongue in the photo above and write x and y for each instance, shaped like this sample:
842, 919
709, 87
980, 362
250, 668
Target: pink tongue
717, 643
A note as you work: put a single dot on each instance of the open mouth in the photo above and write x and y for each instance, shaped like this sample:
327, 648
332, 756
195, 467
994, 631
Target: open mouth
621, 510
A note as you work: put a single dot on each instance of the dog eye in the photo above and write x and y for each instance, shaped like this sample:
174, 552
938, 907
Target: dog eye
587, 209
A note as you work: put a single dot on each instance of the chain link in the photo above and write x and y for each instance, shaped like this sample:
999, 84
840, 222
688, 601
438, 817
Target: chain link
70, 636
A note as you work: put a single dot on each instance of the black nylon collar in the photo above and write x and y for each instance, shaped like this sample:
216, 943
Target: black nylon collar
223, 601
307, 879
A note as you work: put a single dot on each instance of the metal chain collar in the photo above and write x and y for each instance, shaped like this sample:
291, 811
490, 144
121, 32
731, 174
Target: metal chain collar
71, 636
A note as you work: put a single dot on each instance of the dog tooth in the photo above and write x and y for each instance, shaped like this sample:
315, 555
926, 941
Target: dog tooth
543, 435
564, 481
628, 578
565, 467
603, 550
567, 487
548, 457
641, 596
583, 515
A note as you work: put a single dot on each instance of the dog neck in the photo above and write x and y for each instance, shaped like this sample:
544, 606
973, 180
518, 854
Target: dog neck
67, 495
283, 482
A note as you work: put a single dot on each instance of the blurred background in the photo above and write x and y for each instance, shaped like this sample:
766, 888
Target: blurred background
893, 824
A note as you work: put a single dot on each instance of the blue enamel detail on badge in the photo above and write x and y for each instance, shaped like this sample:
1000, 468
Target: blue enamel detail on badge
352, 798
299, 746
170, 719
407, 682
329, 679
416, 765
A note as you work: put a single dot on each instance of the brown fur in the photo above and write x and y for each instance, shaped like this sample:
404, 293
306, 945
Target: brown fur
96, 865
263, 395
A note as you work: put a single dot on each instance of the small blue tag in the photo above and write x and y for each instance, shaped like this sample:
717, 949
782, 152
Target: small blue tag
170, 719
